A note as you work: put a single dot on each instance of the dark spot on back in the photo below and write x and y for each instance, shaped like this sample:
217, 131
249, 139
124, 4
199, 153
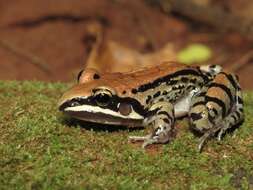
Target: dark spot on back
156, 94
172, 82
184, 79
134, 91
148, 99
193, 80
161, 99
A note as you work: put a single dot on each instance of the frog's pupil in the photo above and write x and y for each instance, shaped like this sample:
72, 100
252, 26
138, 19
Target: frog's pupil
102, 99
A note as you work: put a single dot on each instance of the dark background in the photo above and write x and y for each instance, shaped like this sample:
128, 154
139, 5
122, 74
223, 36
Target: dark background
50, 40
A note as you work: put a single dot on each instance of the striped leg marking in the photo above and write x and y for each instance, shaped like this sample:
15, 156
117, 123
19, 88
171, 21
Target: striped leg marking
217, 108
235, 117
161, 118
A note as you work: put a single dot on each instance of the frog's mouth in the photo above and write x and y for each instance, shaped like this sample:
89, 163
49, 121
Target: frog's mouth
103, 118
98, 114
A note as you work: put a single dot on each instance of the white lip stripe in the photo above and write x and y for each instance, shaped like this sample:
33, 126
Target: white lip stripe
95, 109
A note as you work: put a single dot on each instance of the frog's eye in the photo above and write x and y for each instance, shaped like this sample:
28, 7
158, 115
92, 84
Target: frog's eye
125, 109
102, 97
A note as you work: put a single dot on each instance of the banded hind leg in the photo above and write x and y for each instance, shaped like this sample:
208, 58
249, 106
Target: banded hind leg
161, 118
235, 117
217, 108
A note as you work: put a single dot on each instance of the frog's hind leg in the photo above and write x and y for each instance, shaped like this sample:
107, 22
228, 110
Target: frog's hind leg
161, 118
235, 117
199, 117
217, 108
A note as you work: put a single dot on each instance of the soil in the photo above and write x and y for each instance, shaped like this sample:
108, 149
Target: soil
49, 41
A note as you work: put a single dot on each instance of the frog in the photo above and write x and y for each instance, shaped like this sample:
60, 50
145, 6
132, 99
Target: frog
156, 97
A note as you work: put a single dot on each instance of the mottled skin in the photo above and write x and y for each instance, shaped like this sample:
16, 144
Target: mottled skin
156, 97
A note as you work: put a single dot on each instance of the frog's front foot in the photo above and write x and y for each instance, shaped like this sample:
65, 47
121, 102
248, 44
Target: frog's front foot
160, 135
161, 121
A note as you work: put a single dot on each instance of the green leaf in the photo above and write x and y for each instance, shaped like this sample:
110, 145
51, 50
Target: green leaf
194, 53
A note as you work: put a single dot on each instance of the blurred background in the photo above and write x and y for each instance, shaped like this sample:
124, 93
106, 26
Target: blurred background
52, 41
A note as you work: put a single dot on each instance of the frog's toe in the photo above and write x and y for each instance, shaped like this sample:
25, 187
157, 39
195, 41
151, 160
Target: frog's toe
138, 138
149, 142
220, 134
202, 141
222, 131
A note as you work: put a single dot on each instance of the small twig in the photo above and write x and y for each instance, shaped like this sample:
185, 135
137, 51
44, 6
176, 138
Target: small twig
244, 60
31, 58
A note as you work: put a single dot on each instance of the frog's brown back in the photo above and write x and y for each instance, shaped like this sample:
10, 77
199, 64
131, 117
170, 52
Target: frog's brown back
126, 84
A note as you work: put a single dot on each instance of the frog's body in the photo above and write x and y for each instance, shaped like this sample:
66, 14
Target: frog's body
155, 96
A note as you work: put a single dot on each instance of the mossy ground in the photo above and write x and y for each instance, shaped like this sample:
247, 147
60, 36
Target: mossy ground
42, 149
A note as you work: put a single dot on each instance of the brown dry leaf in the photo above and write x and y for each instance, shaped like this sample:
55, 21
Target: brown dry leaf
113, 57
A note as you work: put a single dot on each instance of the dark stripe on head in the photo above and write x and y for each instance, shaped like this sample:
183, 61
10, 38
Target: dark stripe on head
112, 104
219, 102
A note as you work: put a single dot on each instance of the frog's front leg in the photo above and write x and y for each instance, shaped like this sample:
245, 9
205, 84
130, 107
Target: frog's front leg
161, 118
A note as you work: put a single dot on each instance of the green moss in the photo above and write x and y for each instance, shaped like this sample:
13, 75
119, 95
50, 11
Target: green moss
42, 149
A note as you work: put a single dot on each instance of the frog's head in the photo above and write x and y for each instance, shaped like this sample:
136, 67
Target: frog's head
98, 101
